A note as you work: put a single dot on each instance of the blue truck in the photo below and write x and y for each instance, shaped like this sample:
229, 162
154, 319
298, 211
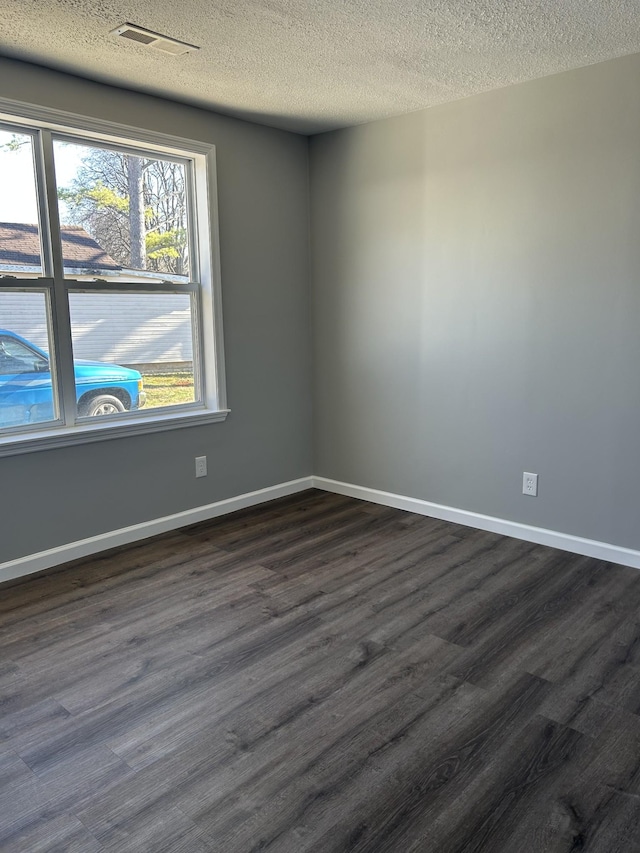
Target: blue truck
26, 392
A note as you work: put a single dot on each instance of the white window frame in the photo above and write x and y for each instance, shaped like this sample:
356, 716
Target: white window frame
69, 429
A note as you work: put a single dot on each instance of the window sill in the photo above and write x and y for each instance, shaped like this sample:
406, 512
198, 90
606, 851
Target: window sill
15, 445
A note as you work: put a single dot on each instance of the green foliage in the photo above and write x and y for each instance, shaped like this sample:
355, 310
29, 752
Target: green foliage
101, 196
166, 244
105, 197
16, 142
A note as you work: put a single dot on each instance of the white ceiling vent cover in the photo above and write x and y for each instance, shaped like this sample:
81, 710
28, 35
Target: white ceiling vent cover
150, 39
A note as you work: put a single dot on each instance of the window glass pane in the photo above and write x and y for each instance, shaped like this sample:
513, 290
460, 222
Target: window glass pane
20, 253
26, 389
132, 350
122, 216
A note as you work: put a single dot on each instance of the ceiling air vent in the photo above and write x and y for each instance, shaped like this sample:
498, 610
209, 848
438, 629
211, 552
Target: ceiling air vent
155, 40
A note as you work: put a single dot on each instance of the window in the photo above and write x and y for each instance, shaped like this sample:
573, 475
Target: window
109, 288
16, 357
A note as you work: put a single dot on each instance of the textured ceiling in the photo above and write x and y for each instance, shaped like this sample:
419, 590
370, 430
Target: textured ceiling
314, 65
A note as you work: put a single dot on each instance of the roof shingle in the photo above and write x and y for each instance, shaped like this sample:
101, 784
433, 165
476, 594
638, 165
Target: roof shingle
20, 246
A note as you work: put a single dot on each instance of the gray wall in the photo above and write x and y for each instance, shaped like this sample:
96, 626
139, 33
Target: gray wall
53, 497
477, 302
476, 282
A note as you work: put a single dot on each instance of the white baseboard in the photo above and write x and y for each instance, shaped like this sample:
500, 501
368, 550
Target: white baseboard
94, 544
539, 535
86, 547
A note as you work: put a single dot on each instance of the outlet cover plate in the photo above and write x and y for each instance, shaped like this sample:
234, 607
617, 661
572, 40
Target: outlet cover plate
530, 484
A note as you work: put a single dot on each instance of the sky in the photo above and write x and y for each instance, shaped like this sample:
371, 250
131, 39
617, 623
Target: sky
17, 180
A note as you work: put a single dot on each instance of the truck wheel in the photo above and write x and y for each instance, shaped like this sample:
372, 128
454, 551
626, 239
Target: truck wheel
103, 404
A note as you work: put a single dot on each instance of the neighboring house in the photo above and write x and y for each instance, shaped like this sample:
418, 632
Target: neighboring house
131, 329
20, 251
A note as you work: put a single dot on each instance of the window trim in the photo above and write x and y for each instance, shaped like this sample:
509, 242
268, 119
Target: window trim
204, 199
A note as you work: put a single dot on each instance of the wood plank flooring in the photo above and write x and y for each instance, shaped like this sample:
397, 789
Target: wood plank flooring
322, 674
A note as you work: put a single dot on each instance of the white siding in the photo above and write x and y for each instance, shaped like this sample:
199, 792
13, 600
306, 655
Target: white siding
25, 314
126, 329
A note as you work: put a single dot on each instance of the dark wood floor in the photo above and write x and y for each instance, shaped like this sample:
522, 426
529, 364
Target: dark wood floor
321, 674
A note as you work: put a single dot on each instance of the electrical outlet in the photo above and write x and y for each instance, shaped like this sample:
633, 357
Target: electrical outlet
201, 466
530, 484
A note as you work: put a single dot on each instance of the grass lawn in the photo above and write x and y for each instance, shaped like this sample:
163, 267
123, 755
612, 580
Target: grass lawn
168, 389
